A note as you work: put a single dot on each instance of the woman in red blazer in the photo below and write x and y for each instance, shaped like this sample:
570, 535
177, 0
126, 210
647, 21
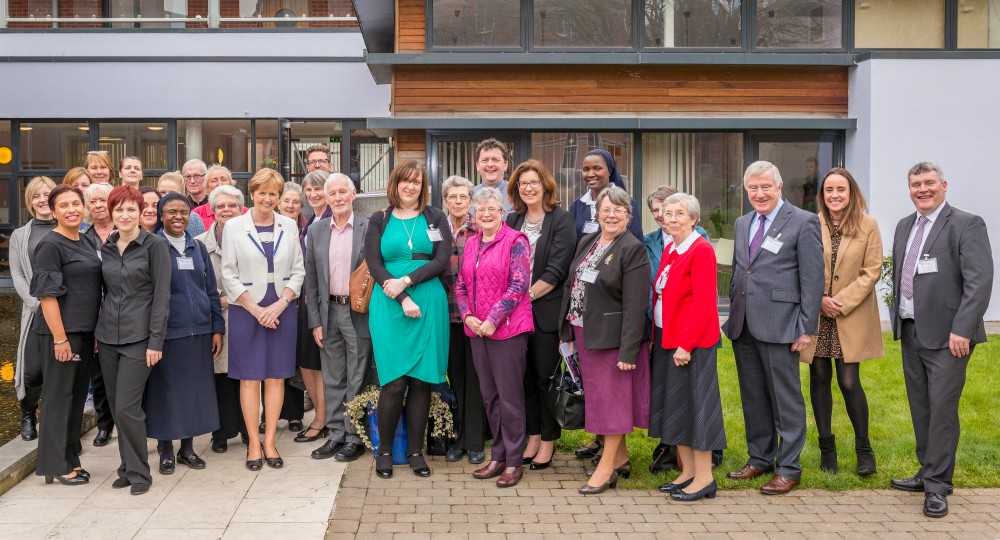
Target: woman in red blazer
686, 409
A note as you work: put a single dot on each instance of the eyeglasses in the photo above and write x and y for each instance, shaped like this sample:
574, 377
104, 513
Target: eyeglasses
533, 184
671, 215
490, 210
317, 162
454, 197
766, 188
175, 213
617, 211
191, 177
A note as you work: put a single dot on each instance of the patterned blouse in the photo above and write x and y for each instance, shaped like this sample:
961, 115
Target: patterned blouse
828, 341
577, 298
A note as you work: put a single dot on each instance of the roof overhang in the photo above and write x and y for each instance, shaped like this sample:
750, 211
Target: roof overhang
377, 19
614, 123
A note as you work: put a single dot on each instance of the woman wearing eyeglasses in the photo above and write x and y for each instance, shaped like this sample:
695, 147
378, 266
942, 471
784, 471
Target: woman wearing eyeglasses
550, 230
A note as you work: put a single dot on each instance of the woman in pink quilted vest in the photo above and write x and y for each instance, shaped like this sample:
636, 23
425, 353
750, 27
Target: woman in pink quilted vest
492, 296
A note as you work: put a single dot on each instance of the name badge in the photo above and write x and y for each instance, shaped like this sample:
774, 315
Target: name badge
927, 266
185, 263
772, 244
434, 235
591, 227
589, 275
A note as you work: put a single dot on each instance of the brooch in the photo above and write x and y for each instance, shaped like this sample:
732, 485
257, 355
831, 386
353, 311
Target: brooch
608, 260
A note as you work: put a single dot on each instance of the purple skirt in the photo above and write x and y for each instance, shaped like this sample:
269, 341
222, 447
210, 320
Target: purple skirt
257, 353
615, 401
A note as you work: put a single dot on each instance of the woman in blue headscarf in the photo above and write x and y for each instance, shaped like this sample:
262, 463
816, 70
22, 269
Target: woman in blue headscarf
599, 171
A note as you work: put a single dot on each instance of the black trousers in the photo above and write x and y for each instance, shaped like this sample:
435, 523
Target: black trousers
63, 395
125, 375
105, 420
227, 396
470, 419
541, 361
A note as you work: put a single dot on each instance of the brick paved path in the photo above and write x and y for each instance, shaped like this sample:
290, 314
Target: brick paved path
451, 504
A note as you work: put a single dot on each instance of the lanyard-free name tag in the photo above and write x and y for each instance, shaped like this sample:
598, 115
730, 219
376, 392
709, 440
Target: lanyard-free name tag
185, 263
434, 235
772, 244
589, 275
591, 227
927, 266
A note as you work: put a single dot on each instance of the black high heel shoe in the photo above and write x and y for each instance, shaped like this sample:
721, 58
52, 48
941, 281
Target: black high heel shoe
539, 466
588, 489
73, 481
383, 465
707, 492
624, 470
671, 487
418, 465
255, 464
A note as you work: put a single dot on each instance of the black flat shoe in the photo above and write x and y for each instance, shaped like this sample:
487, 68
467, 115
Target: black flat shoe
192, 461
935, 505
539, 466
102, 438
915, 484
73, 481
589, 451
295, 425
139, 489
671, 487
321, 433
707, 492
220, 446
383, 465
120, 483
255, 464
419, 465
349, 452
261, 427
454, 454
166, 465
476, 458
274, 462
328, 450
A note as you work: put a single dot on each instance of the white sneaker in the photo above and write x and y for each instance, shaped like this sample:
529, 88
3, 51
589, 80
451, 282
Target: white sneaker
88, 406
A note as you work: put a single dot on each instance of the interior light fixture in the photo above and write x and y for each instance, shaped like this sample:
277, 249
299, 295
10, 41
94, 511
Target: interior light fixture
26, 128
154, 128
84, 127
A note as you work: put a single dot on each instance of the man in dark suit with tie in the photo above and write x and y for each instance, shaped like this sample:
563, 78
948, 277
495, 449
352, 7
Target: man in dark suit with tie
774, 310
334, 249
941, 284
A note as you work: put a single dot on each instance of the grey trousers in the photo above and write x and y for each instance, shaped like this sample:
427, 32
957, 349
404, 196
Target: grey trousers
934, 383
347, 358
125, 374
774, 411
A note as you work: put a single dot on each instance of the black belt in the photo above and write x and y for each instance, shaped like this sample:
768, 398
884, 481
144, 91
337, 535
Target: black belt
420, 257
345, 300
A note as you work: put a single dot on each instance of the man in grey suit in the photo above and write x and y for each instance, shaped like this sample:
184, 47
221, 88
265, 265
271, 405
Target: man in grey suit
941, 283
334, 249
774, 310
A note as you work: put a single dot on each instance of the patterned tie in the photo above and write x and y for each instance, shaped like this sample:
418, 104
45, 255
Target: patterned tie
910, 264
758, 238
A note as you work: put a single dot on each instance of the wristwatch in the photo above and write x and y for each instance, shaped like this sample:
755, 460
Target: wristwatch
407, 280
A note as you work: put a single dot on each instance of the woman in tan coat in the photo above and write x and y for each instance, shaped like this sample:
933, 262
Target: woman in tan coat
849, 328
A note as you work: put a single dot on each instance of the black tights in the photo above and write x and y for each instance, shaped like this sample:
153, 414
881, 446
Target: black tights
390, 406
820, 375
166, 448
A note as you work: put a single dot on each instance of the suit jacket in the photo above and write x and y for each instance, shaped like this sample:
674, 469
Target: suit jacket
953, 299
777, 294
317, 283
553, 255
859, 265
615, 312
244, 268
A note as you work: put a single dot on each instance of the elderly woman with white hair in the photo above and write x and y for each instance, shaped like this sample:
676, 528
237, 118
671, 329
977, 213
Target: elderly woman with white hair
492, 296
217, 175
685, 333
225, 202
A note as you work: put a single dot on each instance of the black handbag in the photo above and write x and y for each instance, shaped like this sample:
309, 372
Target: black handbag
566, 396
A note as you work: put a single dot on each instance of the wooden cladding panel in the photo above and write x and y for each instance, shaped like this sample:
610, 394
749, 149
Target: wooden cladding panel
411, 26
620, 89
411, 144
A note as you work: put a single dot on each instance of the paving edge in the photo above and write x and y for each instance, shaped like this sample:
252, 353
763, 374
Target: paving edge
17, 457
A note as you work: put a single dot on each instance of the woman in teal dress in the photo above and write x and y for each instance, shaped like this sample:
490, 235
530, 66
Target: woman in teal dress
407, 247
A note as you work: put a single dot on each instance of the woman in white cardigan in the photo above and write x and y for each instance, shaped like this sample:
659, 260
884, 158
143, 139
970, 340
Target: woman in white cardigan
27, 375
262, 274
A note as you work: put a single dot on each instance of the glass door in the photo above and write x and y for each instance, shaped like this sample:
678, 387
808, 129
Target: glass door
802, 158
454, 153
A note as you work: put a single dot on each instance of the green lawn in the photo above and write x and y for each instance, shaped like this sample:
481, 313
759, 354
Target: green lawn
891, 431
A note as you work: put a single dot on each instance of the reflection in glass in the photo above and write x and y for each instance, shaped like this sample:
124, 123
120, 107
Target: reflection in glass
154, 9
816, 24
477, 23
583, 23
6, 148
563, 154
53, 145
979, 24
266, 141
801, 164
306, 134
369, 160
292, 9
147, 141
693, 23
899, 24
226, 142
459, 158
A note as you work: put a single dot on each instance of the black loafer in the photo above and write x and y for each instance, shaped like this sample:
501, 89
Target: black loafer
192, 461
935, 505
120, 483
295, 425
476, 458
349, 452
321, 433
166, 466
139, 489
328, 450
220, 446
454, 454
915, 484
102, 438
588, 451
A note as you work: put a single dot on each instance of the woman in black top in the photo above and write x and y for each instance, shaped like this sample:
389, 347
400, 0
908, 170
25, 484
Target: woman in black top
551, 231
131, 329
67, 283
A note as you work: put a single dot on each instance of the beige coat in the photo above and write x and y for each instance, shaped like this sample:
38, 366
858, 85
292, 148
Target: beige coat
859, 263
215, 254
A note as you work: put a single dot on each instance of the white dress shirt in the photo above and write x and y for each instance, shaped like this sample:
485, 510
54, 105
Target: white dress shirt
906, 304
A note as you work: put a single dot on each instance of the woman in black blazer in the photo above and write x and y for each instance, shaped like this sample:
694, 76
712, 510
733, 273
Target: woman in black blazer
532, 191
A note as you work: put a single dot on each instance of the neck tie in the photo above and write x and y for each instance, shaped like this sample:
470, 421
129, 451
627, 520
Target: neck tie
910, 264
758, 238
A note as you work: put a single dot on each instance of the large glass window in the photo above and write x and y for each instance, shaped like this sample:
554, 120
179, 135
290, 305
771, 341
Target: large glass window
146, 141
306, 134
156, 13
6, 152
157, 9
226, 142
979, 24
369, 166
267, 144
288, 13
563, 154
816, 24
476, 23
802, 164
899, 24
583, 23
53, 145
692, 23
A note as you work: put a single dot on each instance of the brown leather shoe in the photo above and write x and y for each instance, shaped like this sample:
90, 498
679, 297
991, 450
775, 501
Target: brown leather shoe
746, 473
510, 480
778, 485
490, 471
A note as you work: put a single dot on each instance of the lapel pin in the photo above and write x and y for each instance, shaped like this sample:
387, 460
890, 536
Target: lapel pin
608, 260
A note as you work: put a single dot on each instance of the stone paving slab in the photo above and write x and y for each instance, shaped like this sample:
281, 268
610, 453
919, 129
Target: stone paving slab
545, 504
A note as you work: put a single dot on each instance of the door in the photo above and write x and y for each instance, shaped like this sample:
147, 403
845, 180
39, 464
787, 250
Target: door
454, 153
802, 159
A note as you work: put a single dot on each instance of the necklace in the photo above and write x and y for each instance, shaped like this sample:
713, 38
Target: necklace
409, 233
533, 228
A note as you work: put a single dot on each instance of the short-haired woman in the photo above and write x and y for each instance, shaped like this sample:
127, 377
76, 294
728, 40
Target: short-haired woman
217, 175
533, 193
603, 315
80, 178
23, 241
262, 274
849, 329
130, 171
470, 415
407, 248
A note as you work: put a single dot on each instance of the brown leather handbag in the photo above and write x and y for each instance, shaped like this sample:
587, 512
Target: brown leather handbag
361, 285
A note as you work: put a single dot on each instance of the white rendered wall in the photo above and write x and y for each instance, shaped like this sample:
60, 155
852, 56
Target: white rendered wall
945, 111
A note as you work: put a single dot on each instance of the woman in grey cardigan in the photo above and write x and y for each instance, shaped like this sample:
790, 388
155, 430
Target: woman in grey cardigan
27, 375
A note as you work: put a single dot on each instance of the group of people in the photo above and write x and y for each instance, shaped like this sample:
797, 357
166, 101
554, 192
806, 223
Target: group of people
488, 294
